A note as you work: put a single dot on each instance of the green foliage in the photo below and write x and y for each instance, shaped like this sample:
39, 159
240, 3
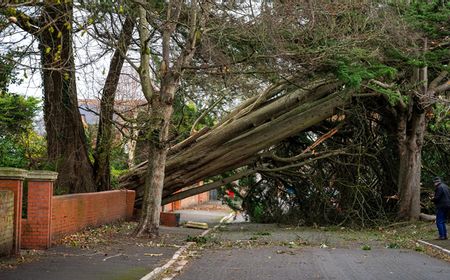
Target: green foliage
262, 233
257, 213
353, 72
12, 153
393, 245
431, 17
115, 174
118, 158
393, 96
23, 150
16, 113
6, 69
185, 114
435, 153
198, 239
441, 122
20, 146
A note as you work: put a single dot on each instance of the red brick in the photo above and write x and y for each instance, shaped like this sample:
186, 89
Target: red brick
169, 219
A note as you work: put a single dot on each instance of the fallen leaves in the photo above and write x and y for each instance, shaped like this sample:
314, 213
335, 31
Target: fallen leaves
92, 237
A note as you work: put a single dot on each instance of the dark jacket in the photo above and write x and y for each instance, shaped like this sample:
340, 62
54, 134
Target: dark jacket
441, 196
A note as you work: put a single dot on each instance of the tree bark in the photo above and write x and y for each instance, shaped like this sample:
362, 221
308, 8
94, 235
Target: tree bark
410, 168
66, 140
156, 139
412, 131
102, 167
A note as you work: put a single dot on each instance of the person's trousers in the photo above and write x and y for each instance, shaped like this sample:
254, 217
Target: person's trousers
441, 219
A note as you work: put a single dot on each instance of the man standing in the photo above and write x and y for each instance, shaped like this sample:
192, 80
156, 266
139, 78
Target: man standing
442, 201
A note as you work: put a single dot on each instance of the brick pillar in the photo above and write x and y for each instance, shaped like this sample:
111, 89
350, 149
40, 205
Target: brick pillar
11, 179
130, 197
37, 232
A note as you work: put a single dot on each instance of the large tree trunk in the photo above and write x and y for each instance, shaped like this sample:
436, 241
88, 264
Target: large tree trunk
158, 122
412, 126
410, 148
102, 167
156, 139
66, 140
237, 141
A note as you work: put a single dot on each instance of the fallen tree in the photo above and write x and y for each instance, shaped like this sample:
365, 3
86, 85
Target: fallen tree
281, 111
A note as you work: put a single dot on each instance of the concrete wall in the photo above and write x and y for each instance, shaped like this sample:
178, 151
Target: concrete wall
6, 222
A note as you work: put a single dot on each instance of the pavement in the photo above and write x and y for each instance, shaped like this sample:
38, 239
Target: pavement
121, 257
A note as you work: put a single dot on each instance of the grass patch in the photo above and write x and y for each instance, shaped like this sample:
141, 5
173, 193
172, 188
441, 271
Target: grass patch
393, 245
262, 233
198, 239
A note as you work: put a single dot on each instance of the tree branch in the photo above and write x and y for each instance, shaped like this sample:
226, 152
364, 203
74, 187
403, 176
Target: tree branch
329, 154
443, 87
22, 20
438, 79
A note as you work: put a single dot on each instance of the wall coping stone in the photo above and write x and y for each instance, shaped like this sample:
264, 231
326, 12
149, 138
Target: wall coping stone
42, 175
13, 173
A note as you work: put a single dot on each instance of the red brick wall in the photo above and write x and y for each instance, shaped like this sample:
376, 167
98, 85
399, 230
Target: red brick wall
74, 212
186, 202
189, 201
194, 200
168, 207
36, 230
203, 197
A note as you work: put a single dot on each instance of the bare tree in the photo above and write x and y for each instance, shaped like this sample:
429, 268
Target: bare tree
171, 68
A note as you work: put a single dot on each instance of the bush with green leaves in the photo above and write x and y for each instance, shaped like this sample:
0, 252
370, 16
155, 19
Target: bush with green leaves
20, 145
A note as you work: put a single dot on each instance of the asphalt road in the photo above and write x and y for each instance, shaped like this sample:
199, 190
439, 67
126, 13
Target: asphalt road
265, 263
